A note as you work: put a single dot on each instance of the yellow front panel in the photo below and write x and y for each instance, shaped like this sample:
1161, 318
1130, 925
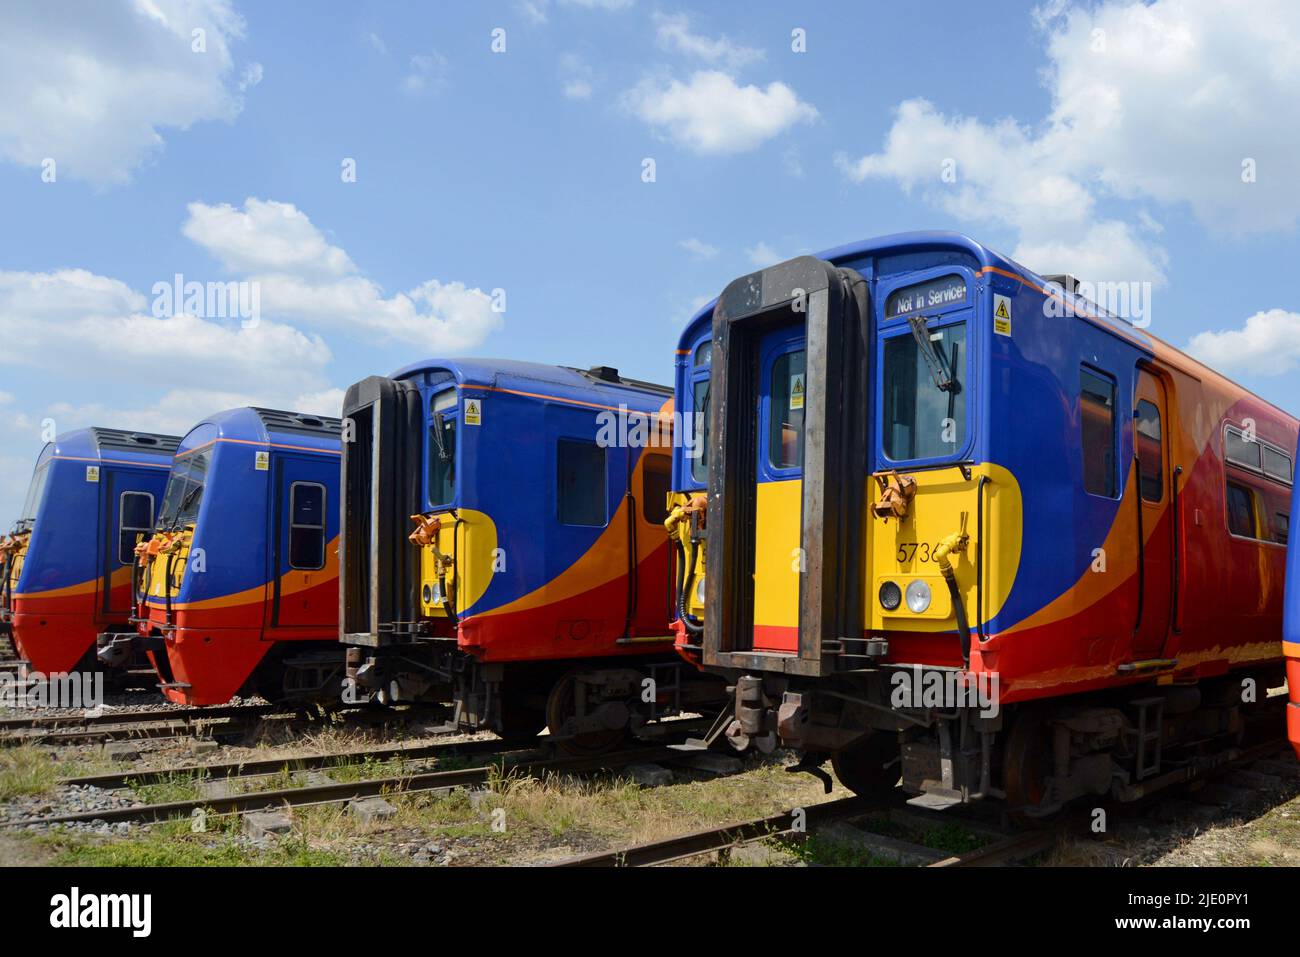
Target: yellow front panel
472, 542
778, 564
156, 572
903, 550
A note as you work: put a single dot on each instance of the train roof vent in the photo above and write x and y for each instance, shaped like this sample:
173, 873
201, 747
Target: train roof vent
1065, 281
299, 423
610, 375
123, 441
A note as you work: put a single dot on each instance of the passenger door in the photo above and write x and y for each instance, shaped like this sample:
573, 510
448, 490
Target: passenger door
302, 562
778, 560
1153, 493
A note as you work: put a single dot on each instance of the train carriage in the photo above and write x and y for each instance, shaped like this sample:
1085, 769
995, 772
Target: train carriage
1291, 634
237, 587
503, 553
953, 513
69, 558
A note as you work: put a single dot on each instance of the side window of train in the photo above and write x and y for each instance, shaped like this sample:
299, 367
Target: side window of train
1281, 527
134, 517
306, 525
1097, 433
580, 483
1147, 437
785, 419
1241, 511
656, 479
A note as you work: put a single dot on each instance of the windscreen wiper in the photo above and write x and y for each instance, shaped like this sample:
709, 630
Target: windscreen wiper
943, 379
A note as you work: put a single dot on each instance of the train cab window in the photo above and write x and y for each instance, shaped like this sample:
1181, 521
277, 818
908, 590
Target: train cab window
925, 404
656, 482
700, 434
306, 525
785, 416
1241, 511
442, 448
1097, 427
134, 517
1146, 420
580, 483
1281, 527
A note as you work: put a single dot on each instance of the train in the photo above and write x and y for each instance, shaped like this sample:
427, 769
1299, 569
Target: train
502, 551
94, 493
236, 585
959, 529
1291, 633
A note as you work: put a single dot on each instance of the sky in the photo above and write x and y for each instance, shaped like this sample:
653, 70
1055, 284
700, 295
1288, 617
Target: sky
567, 181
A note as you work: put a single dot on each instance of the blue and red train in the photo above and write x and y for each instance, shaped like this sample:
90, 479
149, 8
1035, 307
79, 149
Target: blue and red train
529, 586
69, 557
237, 588
958, 524
930, 515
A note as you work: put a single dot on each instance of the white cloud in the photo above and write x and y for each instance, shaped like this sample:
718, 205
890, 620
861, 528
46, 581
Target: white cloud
251, 76
538, 11
265, 237
762, 255
673, 32
710, 113
1268, 344
577, 76
93, 88
1150, 103
698, 248
428, 71
377, 43
302, 276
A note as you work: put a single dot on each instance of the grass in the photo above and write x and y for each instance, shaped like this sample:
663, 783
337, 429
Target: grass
26, 770
161, 849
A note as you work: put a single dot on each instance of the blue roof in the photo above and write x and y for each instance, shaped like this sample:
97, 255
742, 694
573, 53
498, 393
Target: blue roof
559, 381
103, 444
899, 243
267, 426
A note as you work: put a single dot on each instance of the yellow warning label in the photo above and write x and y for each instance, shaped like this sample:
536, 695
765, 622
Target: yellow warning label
473, 412
92, 473
796, 391
1002, 315
262, 461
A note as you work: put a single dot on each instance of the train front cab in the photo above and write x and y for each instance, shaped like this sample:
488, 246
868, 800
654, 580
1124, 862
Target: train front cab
237, 587
93, 493
529, 586
891, 574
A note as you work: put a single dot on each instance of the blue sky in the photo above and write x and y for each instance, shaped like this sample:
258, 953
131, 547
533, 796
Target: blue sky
1107, 140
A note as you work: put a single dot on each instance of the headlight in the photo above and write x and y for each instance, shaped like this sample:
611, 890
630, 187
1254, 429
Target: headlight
699, 591
431, 593
918, 596
890, 596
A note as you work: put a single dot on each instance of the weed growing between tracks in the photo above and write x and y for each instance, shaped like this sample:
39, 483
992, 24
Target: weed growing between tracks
26, 770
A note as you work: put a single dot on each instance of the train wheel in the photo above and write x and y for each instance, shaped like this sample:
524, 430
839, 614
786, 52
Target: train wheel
1025, 763
520, 721
862, 767
561, 706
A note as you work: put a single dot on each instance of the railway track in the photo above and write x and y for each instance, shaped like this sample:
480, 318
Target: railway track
527, 763
796, 826
1003, 847
112, 725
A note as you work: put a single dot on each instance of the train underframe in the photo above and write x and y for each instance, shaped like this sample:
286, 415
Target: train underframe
290, 673
1036, 756
589, 705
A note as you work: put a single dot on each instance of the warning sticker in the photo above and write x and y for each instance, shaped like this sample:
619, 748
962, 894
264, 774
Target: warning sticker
261, 461
1002, 315
796, 391
473, 412
92, 473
